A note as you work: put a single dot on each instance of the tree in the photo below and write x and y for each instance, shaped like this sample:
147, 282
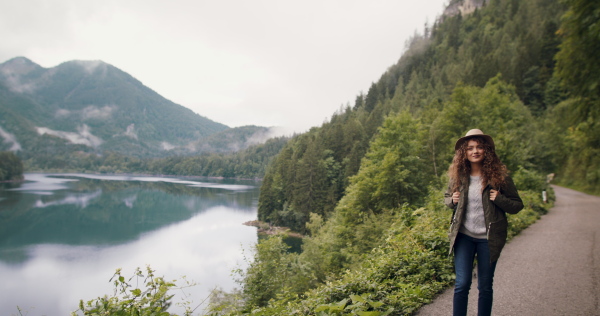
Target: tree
11, 167
578, 61
578, 68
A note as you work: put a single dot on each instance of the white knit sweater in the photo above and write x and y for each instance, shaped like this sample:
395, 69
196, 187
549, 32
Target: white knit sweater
474, 222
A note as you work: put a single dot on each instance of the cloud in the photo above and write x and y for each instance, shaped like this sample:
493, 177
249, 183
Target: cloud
93, 112
130, 132
61, 113
166, 146
10, 139
14, 84
91, 65
82, 137
90, 112
261, 137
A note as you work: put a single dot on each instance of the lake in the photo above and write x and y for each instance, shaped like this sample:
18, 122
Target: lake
62, 236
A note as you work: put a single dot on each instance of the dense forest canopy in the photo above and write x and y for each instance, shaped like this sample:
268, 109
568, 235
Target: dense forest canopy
514, 42
247, 163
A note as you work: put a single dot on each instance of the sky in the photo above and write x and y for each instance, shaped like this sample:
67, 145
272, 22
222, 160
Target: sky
289, 64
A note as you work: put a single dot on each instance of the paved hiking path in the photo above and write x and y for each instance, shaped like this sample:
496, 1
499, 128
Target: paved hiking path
550, 268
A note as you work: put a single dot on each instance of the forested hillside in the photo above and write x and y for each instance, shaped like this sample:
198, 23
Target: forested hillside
367, 186
512, 41
250, 162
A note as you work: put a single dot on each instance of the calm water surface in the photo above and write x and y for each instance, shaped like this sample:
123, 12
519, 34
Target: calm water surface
63, 235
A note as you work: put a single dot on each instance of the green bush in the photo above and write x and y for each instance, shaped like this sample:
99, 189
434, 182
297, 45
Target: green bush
127, 300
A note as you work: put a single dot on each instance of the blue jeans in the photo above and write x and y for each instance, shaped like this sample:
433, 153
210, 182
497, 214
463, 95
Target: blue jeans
465, 249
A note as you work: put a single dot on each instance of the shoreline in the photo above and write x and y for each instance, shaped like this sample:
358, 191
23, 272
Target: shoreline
14, 180
267, 229
141, 174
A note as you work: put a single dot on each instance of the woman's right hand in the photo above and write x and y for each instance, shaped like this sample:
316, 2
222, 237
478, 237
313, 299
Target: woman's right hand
455, 197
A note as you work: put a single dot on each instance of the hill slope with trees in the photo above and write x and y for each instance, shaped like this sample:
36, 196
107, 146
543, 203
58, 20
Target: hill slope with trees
367, 186
76, 114
513, 40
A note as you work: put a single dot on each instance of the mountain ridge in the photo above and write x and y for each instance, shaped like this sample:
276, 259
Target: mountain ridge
92, 106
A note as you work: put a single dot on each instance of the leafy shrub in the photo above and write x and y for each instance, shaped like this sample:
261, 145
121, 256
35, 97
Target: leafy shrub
153, 300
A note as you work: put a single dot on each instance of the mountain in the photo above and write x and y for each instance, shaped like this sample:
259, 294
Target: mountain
94, 107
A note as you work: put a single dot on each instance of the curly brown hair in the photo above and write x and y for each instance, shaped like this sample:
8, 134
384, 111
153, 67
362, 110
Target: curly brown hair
493, 171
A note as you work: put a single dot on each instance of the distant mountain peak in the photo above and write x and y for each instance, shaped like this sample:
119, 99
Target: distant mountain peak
18, 66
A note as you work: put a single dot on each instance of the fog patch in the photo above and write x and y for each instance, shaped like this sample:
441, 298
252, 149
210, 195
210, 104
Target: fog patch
15, 85
279, 131
82, 137
88, 113
10, 139
130, 131
416, 45
90, 65
261, 137
166, 146
93, 112
62, 113
191, 147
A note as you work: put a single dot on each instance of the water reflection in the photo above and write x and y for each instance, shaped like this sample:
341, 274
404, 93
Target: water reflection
62, 236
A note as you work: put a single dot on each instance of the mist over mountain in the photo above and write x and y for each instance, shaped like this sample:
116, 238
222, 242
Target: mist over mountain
91, 106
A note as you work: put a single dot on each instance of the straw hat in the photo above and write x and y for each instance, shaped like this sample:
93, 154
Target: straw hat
474, 133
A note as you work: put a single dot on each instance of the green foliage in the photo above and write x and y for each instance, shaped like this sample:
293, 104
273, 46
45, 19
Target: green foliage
495, 108
578, 66
268, 273
11, 167
386, 238
309, 174
152, 299
578, 63
529, 180
358, 306
405, 271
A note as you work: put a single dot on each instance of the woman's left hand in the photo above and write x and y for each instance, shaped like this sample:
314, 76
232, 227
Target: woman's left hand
493, 194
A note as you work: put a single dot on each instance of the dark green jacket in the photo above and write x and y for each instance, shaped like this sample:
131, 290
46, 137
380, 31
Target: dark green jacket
507, 201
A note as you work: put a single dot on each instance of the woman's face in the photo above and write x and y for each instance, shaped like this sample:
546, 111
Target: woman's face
475, 152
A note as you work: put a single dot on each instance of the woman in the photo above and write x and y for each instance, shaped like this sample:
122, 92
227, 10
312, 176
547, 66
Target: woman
481, 193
